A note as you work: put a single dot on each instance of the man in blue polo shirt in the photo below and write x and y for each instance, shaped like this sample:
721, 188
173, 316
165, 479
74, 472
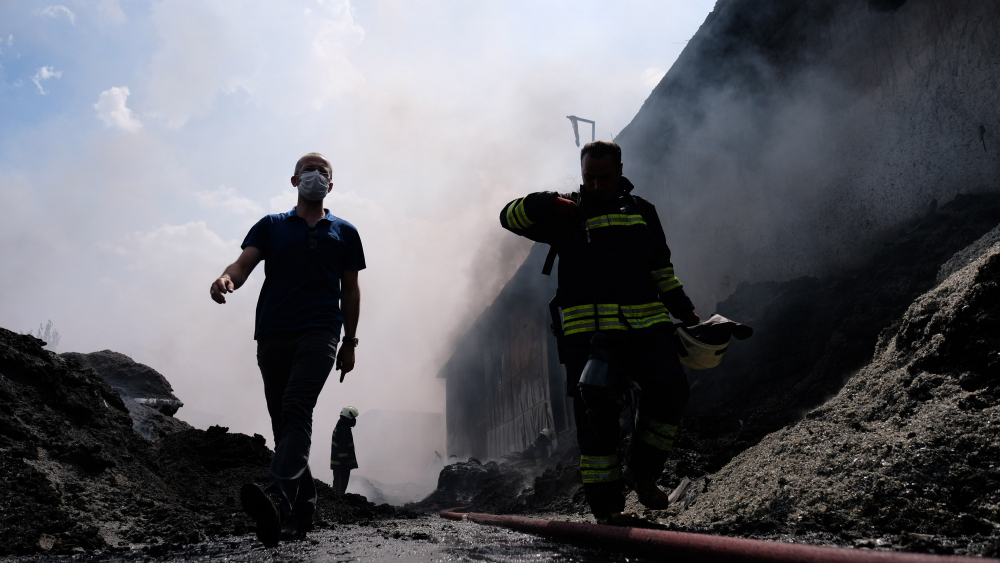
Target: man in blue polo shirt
311, 263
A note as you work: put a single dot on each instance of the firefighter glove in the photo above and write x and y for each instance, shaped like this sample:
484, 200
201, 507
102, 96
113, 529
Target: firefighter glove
689, 319
567, 208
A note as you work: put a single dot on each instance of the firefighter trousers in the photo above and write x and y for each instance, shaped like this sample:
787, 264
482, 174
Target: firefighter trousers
650, 361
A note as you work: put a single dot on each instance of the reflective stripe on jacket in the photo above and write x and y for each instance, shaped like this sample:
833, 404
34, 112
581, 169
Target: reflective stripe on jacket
615, 258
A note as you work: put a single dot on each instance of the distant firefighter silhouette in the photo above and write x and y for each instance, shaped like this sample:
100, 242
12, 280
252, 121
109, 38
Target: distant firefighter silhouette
342, 456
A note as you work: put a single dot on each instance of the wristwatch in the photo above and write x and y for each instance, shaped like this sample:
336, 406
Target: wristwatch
352, 341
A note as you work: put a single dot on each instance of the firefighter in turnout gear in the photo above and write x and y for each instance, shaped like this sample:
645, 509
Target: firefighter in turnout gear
342, 456
616, 288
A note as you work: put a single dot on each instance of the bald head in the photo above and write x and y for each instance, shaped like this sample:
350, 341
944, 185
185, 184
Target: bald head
314, 161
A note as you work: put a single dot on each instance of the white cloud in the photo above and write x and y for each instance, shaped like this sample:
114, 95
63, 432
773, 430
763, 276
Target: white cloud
423, 113
209, 49
111, 109
58, 10
652, 76
45, 73
10, 40
283, 201
111, 11
227, 199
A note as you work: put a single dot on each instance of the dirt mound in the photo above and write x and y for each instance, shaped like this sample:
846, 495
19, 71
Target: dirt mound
75, 476
905, 454
147, 395
812, 334
512, 486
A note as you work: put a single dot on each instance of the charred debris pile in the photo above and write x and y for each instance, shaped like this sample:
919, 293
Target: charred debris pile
865, 410
84, 466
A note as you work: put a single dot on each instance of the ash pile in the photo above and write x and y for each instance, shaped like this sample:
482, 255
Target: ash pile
92, 459
865, 411
904, 454
515, 484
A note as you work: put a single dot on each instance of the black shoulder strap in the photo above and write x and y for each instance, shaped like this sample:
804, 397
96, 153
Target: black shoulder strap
550, 260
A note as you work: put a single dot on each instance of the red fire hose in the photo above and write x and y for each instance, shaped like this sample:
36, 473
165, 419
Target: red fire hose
682, 546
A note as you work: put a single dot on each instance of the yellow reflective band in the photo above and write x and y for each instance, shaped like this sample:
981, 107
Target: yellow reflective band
604, 309
646, 322
332, 463
333, 443
595, 461
583, 311
656, 441
614, 220
522, 215
589, 328
662, 273
666, 285
662, 428
602, 476
645, 315
610, 324
643, 310
343, 455
511, 220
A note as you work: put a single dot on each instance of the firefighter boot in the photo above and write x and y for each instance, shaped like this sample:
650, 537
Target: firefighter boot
649, 494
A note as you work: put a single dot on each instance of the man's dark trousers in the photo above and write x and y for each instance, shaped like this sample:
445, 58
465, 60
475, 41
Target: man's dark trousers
294, 366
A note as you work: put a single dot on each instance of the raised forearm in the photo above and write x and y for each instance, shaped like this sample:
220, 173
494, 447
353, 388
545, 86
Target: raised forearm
236, 273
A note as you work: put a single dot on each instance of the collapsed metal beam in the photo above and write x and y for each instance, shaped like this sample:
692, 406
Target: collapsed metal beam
683, 546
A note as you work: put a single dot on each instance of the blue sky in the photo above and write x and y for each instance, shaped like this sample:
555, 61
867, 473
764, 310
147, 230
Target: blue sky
140, 140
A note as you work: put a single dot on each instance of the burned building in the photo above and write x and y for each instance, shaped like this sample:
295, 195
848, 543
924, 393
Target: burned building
504, 382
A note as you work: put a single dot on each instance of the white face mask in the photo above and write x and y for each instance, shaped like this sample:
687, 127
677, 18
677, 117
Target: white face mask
313, 185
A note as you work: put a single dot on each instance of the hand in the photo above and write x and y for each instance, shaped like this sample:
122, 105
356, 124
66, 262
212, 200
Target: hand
690, 319
220, 287
345, 360
567, 208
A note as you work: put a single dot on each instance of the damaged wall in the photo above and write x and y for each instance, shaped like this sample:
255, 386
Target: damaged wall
504, 383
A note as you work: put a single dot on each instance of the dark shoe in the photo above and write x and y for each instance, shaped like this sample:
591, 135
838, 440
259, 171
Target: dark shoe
298, 523
265, 513
650, 495
291, 532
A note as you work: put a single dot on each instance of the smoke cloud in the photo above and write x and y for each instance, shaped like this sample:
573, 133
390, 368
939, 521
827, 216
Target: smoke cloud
786, 141
119, 215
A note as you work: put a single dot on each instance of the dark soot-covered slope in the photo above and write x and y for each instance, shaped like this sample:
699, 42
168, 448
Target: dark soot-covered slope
75, 476
812, 334
906, 454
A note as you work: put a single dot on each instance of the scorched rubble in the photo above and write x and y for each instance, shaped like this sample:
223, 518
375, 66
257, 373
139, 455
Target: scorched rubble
78, 477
